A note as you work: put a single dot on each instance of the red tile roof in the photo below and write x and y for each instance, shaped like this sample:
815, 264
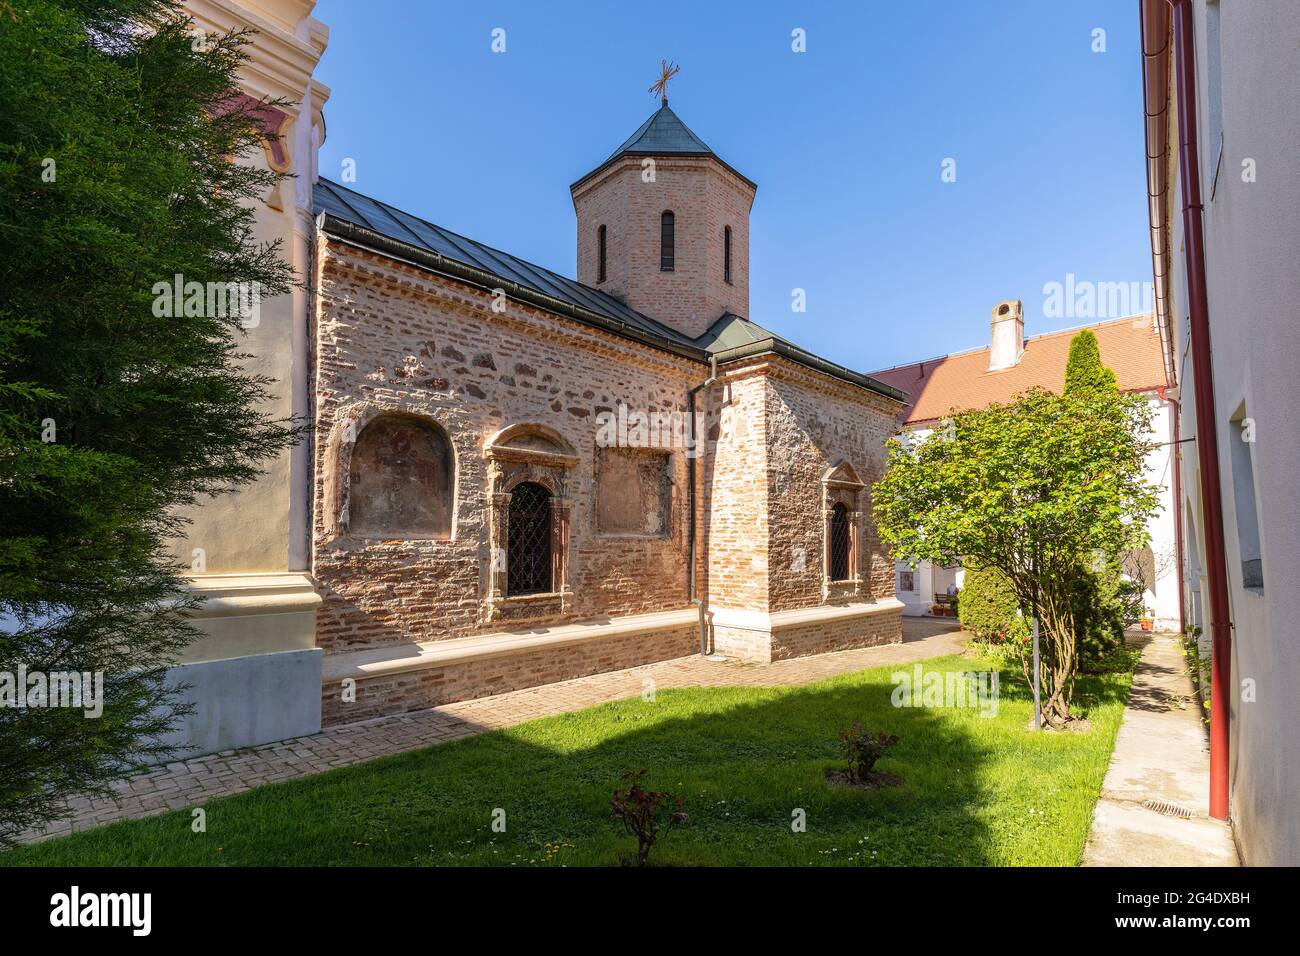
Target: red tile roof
1130, 346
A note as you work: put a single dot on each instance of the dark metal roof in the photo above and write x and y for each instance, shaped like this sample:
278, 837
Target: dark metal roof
348, 206
663, 134
349, 215
734, 337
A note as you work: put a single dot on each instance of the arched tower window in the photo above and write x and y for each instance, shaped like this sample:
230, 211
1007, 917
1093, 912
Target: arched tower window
839, 543
600, 254
400, 480
667, 242
726, 254
528, 545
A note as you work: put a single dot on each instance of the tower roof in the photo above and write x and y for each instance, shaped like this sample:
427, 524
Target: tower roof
663, 134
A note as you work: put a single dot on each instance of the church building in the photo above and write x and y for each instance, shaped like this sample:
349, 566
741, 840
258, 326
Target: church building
515, 477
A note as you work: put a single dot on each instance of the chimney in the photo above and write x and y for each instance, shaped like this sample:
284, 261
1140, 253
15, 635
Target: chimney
1008, 342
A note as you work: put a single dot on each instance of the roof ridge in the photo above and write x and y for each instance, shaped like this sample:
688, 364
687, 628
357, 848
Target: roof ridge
1027, 339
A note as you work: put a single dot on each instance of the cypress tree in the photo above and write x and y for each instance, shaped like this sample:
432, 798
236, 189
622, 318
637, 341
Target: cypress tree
1083, 370
118, 128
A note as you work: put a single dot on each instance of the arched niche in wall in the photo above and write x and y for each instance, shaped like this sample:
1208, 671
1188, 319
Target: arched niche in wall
389, 474
400, 478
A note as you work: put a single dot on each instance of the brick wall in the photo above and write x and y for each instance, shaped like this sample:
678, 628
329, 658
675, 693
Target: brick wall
704, 198
416, 690
886, 628
813, 423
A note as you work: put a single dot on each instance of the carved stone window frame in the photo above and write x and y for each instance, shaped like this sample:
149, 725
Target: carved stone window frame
841, 485
349, 423
511, 462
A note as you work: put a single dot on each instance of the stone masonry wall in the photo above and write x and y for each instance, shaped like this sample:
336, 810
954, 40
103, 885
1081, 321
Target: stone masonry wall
391, 338
813, 423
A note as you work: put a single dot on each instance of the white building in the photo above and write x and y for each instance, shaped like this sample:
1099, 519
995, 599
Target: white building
1008, 366
1221, 97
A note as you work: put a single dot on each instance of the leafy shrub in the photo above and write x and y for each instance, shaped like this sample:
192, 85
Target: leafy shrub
988, 607
863, 749
1101, 602
640, 809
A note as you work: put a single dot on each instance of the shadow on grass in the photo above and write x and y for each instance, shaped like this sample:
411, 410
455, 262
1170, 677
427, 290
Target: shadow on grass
751, 763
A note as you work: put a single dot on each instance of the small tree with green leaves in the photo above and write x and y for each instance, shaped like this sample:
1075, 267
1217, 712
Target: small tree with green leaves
1025, 488
118, 131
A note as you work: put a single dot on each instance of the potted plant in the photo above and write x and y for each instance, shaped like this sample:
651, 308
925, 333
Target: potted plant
1148, 619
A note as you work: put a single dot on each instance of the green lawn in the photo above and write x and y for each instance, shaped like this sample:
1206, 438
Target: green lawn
977, 791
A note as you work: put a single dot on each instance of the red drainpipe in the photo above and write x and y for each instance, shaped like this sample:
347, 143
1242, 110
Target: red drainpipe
1175, 467
1155, 29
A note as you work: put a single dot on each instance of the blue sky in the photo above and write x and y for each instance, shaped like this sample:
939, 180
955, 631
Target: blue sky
845, 141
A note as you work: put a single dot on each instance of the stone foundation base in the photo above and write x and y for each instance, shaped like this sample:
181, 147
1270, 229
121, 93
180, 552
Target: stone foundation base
414, 677
764, 638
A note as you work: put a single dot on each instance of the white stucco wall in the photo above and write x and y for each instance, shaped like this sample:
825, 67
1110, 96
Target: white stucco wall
1252, 232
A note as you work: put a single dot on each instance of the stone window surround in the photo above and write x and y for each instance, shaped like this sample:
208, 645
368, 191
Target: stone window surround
349, 423
841, 485
509, 465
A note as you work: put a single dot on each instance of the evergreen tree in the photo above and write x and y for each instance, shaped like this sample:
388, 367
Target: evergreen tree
117, 132
1083, 370
1099, 596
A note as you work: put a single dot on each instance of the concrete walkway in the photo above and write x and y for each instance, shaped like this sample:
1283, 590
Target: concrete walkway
194, 782
1161, 762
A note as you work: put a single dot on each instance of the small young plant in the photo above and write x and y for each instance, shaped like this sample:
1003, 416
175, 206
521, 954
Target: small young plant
863, 749
640, 811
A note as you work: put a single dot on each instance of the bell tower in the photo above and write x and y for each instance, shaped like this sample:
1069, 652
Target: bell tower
663, 225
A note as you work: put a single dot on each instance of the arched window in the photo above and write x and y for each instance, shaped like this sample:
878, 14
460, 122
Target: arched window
726, 254
528, 540
839, 543
667, 242
600, 254
400, 480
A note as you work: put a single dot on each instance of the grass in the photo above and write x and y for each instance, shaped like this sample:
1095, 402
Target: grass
977, 790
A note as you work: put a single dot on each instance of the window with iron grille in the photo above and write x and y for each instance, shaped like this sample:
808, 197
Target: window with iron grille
839, 543
528, 541
726, 254
600, 243
667, 242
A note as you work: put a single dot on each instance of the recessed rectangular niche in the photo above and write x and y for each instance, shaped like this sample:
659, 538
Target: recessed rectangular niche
633, 491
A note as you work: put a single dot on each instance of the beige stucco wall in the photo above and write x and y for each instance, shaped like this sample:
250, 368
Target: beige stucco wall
261, 527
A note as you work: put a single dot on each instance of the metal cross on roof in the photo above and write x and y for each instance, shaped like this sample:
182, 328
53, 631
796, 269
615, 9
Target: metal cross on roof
667, 70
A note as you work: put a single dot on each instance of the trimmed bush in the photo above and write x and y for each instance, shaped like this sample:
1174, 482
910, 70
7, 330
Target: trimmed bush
988, 606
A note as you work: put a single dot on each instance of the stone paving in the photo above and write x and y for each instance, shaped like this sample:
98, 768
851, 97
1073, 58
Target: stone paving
1161, 760
194, 782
